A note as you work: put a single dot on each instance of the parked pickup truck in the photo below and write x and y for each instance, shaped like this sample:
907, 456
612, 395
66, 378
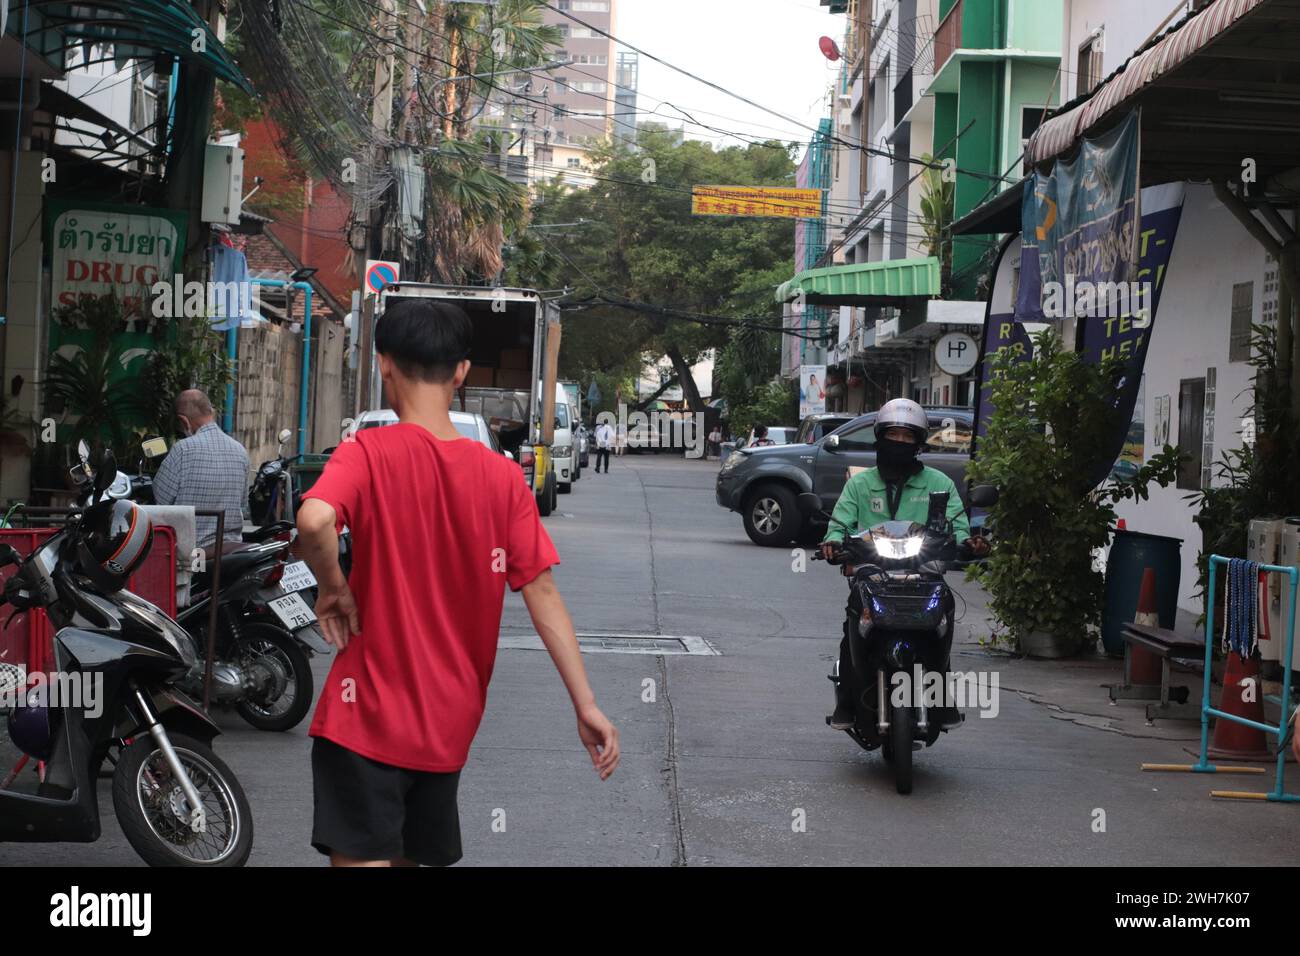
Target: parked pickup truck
763, 483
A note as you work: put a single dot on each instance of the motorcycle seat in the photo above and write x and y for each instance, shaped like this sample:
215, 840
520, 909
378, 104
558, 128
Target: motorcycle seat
239, 559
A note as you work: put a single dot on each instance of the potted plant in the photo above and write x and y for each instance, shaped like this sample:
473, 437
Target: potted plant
1053, 419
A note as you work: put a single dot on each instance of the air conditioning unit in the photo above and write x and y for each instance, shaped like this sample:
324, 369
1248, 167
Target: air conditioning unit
845, 100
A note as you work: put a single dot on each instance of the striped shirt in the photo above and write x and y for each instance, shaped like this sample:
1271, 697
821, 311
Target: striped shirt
209, 472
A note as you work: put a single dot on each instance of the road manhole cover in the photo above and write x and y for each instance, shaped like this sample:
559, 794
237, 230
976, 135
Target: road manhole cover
619, 644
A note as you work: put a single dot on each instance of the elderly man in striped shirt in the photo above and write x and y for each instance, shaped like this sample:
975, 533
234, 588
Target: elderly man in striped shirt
207, 470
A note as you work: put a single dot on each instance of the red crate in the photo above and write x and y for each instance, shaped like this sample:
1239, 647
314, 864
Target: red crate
26, 637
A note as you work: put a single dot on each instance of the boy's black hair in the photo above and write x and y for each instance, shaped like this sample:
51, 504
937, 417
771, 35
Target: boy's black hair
424, 338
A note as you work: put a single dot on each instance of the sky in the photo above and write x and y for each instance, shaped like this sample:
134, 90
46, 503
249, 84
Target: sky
766, 50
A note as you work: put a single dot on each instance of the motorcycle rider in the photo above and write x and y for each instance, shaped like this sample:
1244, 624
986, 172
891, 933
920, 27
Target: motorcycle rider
897, 489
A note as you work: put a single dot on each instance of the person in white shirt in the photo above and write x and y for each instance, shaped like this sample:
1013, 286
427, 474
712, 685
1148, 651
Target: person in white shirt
604, 438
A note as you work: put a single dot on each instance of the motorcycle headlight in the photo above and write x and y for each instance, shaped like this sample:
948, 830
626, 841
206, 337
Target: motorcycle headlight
888, 547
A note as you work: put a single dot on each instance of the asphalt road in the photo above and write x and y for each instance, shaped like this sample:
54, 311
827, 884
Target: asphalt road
727, 759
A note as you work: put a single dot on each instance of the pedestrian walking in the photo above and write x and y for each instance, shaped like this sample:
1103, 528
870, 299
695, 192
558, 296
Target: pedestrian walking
442, 524
715, 442
620, 440
604, 438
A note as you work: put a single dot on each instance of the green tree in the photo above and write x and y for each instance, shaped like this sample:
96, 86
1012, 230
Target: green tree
700, 275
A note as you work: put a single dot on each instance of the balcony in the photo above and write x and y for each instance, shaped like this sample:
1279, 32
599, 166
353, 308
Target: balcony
947, 37
902, 97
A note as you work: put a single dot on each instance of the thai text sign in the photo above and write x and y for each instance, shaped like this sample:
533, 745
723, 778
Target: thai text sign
1079, 223
98, 249
756, 201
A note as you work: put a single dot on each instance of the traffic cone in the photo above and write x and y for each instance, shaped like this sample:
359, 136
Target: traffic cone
1144, 666
1243, 696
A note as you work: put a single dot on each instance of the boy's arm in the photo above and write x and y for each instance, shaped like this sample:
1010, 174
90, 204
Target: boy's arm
551, 619
318, 545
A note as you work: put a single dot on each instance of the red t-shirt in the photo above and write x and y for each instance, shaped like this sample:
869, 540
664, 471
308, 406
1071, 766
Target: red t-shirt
438, 530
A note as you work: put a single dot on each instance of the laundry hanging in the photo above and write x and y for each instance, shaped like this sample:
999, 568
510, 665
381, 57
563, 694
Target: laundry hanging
1241, 607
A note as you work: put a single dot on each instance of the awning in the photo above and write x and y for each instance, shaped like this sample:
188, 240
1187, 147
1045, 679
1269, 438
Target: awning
135, 28
998, 215
865, 283
1221, 85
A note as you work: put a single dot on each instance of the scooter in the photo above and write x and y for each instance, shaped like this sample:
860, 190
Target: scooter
899, 624
113, 696
272, 498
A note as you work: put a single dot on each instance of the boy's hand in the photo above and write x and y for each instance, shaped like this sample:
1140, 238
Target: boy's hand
337, 611
600, 737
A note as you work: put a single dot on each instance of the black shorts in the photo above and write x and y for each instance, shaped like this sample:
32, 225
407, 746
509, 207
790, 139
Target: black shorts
369, 810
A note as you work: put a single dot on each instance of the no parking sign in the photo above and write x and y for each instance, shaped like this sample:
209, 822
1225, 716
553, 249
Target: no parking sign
380, 273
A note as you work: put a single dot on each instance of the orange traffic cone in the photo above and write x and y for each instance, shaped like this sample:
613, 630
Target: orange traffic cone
1144, 667
1243, 696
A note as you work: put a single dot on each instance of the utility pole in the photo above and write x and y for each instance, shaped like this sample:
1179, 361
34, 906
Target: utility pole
369, 216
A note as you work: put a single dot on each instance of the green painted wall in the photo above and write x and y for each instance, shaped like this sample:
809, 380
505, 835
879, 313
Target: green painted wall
1035, 25
981, 24
980, 101
1032, 84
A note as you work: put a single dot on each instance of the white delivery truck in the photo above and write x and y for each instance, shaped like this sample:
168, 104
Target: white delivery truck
512, 378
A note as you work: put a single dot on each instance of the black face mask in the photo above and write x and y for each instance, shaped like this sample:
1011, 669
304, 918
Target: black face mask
897, 459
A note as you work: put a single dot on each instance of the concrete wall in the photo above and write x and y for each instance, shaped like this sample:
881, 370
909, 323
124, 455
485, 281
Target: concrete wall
25, 329
327, 386
266, 396
1190, 334
1125, 26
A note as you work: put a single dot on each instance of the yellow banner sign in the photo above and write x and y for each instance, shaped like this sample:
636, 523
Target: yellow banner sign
756, 201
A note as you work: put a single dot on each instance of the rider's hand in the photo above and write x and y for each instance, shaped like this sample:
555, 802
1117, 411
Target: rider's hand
336, 609
600, 737
979, 545
828, 550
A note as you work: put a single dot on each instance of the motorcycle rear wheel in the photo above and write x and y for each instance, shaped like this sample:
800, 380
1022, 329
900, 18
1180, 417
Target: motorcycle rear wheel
150, 805
288, 660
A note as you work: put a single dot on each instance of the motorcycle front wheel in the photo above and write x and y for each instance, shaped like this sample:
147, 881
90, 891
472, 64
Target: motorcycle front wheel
901, 730
155, 816
285, 674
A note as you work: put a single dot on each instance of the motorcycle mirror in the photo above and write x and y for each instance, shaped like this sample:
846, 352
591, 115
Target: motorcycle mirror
285, 435
83, 452
154, 447
105, 474
984, 496
810, 504
938, 512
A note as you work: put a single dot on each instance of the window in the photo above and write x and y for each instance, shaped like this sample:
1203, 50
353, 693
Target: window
561, 84
1191, 427
589, 86
860, 439
582, 33
589, 6
1089, 71
1243, 301
574, 162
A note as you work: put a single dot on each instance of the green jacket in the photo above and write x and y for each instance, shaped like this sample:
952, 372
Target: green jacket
863, 503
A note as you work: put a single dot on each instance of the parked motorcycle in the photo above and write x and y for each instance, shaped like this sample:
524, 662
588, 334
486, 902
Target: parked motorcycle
177, 802
899, 623
272, 498
265, 632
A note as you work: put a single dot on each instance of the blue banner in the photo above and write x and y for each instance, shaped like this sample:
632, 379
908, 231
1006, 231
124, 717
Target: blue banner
1079, 227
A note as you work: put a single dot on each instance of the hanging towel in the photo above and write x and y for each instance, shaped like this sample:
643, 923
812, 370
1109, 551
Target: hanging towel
231, 299
180, 518
1241, 604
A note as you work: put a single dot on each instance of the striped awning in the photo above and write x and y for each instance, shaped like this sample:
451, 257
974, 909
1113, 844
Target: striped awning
1060, 133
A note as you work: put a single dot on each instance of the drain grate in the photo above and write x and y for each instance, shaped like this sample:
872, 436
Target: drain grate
619, 644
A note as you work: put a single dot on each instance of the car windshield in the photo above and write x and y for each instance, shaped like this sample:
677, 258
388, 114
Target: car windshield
467, 428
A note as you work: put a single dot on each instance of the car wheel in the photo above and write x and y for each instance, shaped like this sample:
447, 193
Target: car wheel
546, 503
772, 516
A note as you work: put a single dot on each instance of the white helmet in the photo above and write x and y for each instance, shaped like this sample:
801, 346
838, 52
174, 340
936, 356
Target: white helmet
903, 413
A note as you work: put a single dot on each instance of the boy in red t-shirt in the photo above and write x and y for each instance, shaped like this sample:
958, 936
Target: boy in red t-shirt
440, 524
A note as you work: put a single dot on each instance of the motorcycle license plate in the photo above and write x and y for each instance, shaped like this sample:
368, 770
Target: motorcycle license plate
292, 611
297, 577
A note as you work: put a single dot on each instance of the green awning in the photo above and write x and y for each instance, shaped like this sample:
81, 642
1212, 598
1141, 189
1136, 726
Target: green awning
865, 283
135, 28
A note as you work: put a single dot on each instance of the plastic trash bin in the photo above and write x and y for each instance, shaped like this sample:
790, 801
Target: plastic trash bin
1130, 553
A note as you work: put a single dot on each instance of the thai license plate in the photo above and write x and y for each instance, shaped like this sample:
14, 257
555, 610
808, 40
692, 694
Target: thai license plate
292, 611
297, 577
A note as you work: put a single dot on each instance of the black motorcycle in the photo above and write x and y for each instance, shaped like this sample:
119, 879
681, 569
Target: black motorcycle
265, 636
177, 802
899, 624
